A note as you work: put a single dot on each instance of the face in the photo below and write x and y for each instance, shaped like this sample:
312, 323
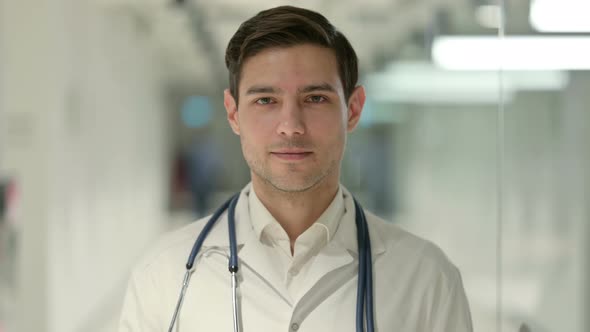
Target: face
292, 117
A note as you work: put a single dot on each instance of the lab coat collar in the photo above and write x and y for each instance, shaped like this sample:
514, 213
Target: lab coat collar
345, 235
219, 235
342, 250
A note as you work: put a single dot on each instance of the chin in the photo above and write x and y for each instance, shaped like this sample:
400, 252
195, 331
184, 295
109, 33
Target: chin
291, 186
290, 181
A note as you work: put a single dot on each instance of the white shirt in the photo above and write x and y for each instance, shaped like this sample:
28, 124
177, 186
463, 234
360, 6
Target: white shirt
416, 288
293, 268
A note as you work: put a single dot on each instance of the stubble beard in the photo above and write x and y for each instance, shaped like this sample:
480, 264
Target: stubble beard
260, 167
281, 182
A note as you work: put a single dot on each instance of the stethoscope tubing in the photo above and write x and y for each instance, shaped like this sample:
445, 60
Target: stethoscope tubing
370, 318
361, 286
364, 308
205, 232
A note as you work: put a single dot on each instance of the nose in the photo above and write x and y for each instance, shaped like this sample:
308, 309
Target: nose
291, 120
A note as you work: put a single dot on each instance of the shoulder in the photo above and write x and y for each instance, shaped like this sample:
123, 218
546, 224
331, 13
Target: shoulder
422, 266
414, 252
171, 249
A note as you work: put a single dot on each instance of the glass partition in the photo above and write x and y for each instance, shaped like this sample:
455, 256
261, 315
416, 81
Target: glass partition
545, 215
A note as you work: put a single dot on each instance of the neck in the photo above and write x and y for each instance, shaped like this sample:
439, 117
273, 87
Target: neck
296, 212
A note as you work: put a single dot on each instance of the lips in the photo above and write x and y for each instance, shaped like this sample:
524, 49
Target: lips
291, 155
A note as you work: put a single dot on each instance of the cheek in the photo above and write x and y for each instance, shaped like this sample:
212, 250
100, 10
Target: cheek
255, 133
329, 128
254, 121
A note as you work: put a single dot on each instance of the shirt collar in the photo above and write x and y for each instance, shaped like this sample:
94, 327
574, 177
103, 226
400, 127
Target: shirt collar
345, 232
263, 221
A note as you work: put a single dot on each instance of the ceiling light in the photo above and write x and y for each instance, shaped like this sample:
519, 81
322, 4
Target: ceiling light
560, 15
512, 53
424, 83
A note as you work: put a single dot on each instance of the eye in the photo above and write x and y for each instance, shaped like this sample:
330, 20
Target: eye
263, 101
316, 99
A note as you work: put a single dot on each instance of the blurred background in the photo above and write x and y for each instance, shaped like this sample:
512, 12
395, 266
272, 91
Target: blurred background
476, 136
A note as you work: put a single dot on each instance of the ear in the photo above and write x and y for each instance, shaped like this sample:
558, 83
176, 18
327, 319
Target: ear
355, 107
232, 111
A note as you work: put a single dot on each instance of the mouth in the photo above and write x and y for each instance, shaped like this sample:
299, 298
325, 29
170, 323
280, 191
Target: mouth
291, 155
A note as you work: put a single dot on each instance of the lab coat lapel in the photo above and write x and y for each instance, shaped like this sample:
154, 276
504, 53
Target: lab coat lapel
219, 235
342, 250
337, 263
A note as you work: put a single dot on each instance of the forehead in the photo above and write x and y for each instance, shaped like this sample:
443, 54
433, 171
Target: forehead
290, 68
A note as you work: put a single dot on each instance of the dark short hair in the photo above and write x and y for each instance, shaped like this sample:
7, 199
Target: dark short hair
287, 26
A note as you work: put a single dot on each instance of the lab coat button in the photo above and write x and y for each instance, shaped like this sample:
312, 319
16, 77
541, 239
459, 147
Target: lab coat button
294, 327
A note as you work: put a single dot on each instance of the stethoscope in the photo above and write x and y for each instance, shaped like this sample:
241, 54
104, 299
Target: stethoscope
364, 299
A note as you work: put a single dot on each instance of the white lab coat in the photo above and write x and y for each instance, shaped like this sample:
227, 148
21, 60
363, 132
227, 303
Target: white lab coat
416, 288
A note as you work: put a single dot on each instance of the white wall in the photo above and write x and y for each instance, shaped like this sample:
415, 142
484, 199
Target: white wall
86, 141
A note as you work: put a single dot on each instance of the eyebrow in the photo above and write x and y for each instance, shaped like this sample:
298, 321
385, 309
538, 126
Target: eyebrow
317, 87
262, 89
256, 89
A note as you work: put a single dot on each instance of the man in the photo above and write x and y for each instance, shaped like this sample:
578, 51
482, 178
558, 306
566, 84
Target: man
292, 99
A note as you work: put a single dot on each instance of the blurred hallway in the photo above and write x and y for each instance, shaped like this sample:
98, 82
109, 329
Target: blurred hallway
112, 131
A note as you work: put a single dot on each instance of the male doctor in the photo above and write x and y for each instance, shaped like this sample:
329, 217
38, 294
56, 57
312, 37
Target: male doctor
292, 99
